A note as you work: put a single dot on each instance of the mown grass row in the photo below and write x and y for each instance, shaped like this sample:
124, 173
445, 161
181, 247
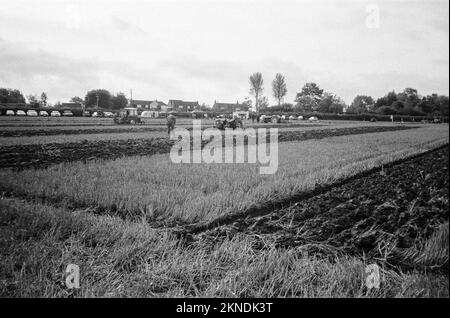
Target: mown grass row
155, 189
118, 258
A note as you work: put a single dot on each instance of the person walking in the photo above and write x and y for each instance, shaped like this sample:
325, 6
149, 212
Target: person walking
171, 121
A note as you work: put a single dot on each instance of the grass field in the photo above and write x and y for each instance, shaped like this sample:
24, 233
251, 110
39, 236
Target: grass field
128, 259
120, 220
155, 187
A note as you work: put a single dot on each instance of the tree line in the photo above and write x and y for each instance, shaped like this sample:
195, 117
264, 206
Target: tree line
312, 98
97, 97
102, 98
407, 102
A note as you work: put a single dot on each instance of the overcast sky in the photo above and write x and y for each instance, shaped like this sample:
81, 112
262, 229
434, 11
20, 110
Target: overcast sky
206, 50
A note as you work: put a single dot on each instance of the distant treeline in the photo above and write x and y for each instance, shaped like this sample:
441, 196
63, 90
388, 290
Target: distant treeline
310, 100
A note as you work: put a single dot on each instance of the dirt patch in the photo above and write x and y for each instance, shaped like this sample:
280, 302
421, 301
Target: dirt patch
54, 132
44, 155
396, 206
284, 136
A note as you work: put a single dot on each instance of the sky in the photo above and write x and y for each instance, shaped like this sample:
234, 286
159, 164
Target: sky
205, 50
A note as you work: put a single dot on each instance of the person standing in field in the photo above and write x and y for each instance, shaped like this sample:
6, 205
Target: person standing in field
171, 121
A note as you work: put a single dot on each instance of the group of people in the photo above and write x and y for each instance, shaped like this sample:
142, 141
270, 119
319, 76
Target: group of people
254, 117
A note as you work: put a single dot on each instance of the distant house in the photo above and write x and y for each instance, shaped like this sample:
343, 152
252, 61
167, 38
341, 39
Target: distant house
139, 103
181, 106
157, 105
229, 107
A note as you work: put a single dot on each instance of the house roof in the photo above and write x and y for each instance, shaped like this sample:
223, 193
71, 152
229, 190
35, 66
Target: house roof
177, 102
160, 103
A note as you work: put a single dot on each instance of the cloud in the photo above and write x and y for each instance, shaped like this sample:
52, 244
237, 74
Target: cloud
199, 51
37, 70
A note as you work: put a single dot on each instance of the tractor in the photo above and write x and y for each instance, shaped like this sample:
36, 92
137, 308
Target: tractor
222, 123
128, 116
274, 119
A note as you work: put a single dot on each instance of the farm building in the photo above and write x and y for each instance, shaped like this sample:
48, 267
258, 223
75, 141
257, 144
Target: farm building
229, 107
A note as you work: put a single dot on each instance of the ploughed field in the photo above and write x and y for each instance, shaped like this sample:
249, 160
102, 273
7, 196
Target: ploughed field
382, 213
43, 155
344, 195
27, 131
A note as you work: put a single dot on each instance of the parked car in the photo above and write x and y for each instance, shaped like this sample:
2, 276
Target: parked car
313, 118
292, 117
43, 113
67, 113
20, 113
32, 113
108, 114
86, 113
10, 112
55, 113
147, 114
300, 118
